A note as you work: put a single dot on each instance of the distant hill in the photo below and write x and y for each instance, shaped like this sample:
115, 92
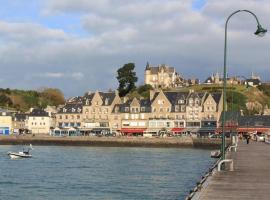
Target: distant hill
24, 99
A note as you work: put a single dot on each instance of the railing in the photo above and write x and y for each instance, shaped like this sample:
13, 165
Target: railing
215, 167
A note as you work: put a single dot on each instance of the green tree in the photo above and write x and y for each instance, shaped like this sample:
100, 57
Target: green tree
126, 78
143, 90
53, 95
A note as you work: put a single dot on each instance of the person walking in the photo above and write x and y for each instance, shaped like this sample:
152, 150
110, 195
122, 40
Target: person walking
248, 138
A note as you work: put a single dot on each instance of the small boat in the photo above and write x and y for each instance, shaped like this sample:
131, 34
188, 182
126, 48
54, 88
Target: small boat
215, 154
21, 154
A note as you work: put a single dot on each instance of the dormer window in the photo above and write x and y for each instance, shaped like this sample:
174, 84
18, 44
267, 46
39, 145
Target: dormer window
73, 110
143, 109
126, 109
79, 110
64, 110
180, 101
87, 102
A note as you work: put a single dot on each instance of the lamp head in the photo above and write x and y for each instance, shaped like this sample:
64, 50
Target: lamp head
260, 31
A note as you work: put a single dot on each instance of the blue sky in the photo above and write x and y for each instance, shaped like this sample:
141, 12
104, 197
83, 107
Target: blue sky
78, 45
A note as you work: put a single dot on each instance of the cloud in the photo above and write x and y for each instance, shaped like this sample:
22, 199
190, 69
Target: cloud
59, 75
120, 31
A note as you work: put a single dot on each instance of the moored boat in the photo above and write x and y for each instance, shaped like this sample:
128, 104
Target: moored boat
21, 154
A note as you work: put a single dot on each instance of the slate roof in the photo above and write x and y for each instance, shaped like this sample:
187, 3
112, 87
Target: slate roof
71, 109
75, 100
38, 113
174, 97
216, 96
155, 70
20, 117
254, 121
107, 96
146, 103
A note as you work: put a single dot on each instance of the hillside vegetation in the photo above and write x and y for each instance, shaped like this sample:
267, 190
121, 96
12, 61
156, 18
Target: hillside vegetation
240, 97
24, 99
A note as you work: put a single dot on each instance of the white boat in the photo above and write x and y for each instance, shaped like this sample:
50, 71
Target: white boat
215, 154
21, 154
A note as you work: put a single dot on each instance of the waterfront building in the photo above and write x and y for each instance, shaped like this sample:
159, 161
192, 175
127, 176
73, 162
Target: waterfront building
97, 111
133, 115
19, 123
5, 123
164, 111
70, 115
162, 76
38, 121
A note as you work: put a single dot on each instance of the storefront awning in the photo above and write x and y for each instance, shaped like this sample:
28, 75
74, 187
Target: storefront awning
177, 130
133, 130
252, 129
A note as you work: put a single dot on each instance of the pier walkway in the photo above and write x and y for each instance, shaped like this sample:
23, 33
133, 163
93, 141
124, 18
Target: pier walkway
250, 178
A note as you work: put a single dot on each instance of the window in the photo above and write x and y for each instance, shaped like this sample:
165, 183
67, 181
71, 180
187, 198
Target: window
78, 116
142, 109
161, 110
168, 109
60, 116
126, 109
66, 117
176, 108
142, 116
180, 101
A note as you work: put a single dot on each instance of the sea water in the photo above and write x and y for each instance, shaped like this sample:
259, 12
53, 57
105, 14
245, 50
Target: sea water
113, 173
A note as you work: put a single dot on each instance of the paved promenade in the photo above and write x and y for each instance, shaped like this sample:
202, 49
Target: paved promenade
250, 178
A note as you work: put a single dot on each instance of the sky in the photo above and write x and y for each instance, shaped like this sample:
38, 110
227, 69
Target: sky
78, 45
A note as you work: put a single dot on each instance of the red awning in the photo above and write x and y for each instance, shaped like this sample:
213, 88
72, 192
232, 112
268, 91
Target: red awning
177, 129
133, 130
252, 129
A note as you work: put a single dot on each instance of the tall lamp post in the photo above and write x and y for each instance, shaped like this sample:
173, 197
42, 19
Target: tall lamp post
260, 32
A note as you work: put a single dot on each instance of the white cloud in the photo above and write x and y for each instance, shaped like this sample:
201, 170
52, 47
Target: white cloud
120, 31
59, 75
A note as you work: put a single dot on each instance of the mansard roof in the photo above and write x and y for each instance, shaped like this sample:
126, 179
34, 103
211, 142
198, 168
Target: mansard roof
174, 97
107, 96
146, 103
38, 113
254, 121
71, 109
156, 70
216, 96
20, 117
75, 100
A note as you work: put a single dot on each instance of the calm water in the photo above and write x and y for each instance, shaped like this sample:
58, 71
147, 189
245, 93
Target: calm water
101, 173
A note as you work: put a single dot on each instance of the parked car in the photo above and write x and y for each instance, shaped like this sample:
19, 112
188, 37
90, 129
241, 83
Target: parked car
260, 137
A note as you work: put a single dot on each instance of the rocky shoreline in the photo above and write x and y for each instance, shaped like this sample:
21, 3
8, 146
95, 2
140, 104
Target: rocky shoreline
170, 142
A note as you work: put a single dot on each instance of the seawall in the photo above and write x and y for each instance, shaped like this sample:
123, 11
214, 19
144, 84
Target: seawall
170, 142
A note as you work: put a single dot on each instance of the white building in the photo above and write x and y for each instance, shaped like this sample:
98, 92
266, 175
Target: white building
38, 122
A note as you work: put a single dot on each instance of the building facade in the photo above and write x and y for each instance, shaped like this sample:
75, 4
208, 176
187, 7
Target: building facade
162, 76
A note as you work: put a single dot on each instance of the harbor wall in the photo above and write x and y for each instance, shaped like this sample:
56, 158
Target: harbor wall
170, 142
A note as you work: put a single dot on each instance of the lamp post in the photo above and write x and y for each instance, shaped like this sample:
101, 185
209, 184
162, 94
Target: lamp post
260, 32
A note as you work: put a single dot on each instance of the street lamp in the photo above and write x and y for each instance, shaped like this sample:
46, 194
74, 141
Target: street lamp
260, 32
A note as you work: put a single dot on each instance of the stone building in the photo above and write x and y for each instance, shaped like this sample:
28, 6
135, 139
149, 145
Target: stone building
162, 76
